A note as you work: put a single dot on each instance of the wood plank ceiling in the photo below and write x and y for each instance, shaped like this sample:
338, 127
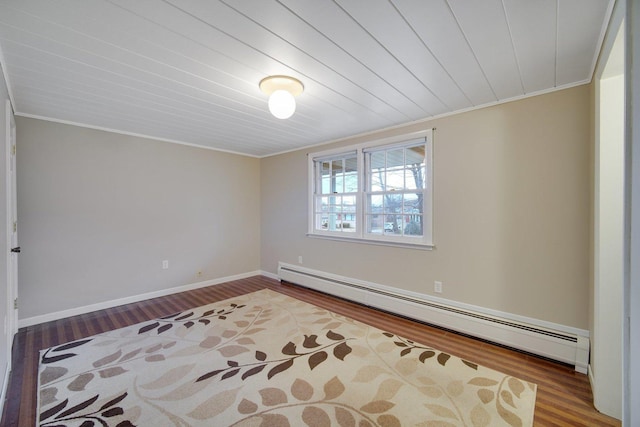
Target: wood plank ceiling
187, 71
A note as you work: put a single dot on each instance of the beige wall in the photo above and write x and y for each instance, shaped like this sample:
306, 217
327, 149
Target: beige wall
99, 211
511, 212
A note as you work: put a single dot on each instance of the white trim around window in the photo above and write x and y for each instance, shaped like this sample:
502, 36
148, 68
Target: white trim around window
379, 192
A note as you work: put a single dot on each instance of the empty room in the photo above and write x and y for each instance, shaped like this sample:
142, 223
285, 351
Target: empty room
315, 212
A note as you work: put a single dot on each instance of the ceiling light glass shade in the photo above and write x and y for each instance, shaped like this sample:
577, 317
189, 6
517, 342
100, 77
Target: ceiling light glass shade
282, 104
282, 91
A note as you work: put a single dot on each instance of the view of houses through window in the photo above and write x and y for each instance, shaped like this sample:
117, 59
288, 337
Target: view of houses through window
395, 184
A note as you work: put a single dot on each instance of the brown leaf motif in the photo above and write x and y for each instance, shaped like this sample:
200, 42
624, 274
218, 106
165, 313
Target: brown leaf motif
280, 368
83, 411
111, 372
368, 373
480, 417
441, 411
507, 397
486, 395
483, 382
214, 405
333, 388
232, 350
107, 359
516, 386
273, 396
274, 420
80, 382
315, 417
388, 389
511, 418
344, 417
301, 390
377, 406
52, 373
341, 351
247, 407
388, 420
317, 358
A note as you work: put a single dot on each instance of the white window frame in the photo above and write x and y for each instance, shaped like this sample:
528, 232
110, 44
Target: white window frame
361, 235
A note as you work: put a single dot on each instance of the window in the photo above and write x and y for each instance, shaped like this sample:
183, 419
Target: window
379, 192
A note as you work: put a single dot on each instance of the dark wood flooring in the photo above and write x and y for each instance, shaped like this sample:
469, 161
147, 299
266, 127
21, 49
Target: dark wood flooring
563, 399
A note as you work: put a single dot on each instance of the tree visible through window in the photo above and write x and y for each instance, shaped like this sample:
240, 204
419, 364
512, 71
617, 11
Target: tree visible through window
395, 190
379, 191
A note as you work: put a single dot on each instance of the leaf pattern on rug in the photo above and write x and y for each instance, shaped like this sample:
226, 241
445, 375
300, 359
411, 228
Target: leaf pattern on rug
86, 412
269, 360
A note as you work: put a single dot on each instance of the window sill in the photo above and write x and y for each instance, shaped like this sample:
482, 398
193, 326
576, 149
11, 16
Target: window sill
418, 246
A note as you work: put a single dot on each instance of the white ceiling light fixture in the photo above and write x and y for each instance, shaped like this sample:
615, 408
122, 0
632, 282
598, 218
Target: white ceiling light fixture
282, 91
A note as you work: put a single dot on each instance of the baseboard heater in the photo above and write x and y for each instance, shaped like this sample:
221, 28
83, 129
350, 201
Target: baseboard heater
557, 342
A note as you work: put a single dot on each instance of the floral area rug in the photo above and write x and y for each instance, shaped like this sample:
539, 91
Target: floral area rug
266, 359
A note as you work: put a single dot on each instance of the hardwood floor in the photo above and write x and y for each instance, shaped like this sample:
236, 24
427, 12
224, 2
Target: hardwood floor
563, 399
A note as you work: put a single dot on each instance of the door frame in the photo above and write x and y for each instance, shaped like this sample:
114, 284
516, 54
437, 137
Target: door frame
12, 270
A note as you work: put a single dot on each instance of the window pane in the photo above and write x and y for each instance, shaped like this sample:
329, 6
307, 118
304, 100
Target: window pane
391, 225
351, 175
325, 177
321, 221
376, 171
332, 221
375, 224
413, 225
393, 203
412, 203
336, 176
375, 204
395, 179
395, 169
414, 177
322, 204
415, 155
349, 202
335, 203
395, 158
415, 167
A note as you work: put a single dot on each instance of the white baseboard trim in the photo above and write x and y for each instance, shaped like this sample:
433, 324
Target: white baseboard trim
270, 275
35, 320
558, 342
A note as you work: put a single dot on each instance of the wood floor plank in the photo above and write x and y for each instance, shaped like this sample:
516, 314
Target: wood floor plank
563, 399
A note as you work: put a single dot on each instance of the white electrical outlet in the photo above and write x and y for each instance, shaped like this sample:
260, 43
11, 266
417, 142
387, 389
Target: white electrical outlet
300, 259
437, 287
165, 264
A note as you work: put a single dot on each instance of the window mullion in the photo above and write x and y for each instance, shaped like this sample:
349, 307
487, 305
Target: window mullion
360, 198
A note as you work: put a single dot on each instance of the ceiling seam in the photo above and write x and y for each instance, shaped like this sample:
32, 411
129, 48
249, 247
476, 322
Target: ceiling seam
197, 89
277, 60
351, 56
473, 52
424, 43
309, 56
513, 46
90, 53
429, 113
204, 114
